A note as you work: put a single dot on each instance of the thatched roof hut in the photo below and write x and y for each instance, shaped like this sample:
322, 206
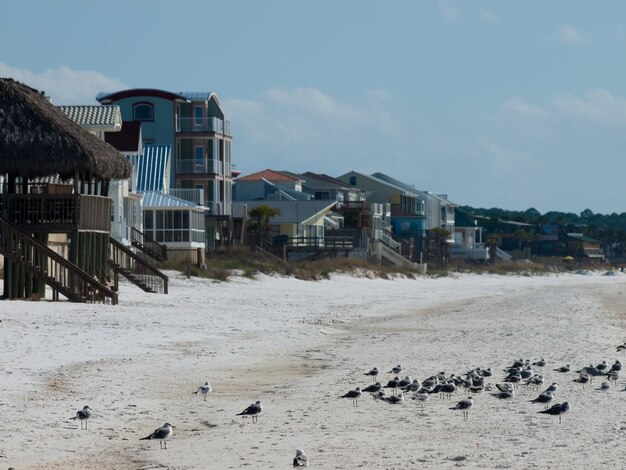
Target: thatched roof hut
38, 139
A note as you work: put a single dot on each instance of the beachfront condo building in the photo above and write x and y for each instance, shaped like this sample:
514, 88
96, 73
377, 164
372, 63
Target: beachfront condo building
193, 126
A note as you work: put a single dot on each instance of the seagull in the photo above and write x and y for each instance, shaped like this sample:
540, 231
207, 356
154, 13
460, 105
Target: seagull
204, 390
422, 397
162, 434
300, 460
393, 383
540, 363
602, 366
621, 348
394, 399
445, 389
374, 388
374, 372
612, 375
604, 386
253, 410
405, 382
396, 370
557, 410
583, 379
83, 415
504, 395
545, 398
354, 394
565, 368
505, 387
617, 366
413, 386
552, 388
464, 405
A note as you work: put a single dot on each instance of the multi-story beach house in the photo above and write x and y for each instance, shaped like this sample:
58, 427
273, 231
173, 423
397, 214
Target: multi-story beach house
193, 125
414, 213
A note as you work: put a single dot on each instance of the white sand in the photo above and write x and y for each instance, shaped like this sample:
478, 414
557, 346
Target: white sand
297, 345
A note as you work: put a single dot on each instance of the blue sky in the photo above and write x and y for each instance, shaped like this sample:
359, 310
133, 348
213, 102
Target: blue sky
495, 103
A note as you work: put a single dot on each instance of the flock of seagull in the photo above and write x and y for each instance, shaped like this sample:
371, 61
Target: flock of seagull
520, 372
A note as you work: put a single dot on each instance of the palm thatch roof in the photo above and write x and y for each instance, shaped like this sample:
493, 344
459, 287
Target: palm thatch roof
38, 139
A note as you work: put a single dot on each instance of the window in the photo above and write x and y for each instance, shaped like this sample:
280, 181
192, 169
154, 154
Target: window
197, 116
143, 112
353, 181
199, 153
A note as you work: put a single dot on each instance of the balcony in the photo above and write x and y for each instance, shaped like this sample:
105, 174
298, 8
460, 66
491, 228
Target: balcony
57, 213
191, 165
186, 194
208, 124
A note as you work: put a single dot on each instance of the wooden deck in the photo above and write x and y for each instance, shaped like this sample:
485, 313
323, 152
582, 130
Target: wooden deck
57, 213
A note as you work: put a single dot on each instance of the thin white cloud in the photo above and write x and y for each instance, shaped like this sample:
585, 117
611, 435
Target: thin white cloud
449, 10
314, 102
594, 104
520, 106
489, 17
569, 34
63, 84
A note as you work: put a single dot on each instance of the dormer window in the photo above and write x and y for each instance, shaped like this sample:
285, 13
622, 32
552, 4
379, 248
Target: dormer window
143, 112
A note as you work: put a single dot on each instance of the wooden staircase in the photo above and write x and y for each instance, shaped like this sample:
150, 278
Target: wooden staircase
136, 269
147, 245
47, 266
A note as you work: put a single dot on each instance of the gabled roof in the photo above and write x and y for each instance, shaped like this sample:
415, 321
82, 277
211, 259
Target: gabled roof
269, 175
38, 139
128, 139
295, 212
152, 167
332, 182
107, 118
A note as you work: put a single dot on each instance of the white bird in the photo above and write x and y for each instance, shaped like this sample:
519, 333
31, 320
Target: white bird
204, 390
300, 460
83, 415
253, 410
163, 434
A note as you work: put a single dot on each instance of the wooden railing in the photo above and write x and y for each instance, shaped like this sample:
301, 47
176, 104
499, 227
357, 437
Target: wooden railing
57, 212
49, 267
147, 245
137, 270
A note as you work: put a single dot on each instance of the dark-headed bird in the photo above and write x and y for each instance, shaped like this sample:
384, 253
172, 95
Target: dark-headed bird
253, 410
557, 410
464, 405
82, 415
354, 395
162, 434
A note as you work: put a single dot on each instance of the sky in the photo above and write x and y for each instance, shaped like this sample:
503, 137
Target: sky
494, 103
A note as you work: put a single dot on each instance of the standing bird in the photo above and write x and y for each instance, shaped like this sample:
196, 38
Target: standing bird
464, 405
422, 397
163, 434
583, 379
621, 348
204, 390
354, 394
253, 410
541, 363
557, 410
300, 460
602, 366
396, 370
82, 415
374, 372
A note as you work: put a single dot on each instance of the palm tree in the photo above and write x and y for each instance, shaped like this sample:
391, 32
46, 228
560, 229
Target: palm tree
261, 216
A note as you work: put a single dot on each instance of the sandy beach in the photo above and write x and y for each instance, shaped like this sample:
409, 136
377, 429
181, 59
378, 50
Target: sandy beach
296, 346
